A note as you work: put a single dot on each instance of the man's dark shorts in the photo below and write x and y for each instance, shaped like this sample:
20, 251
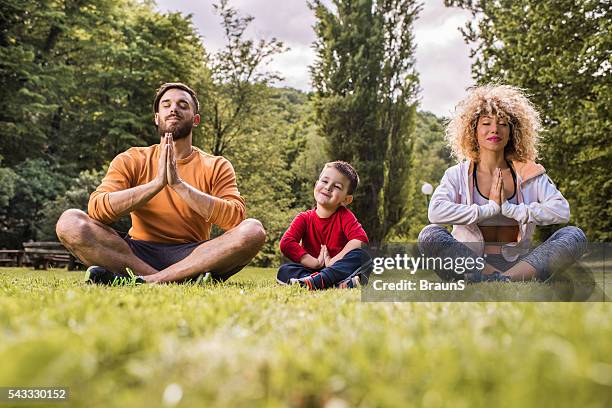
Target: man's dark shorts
161, 255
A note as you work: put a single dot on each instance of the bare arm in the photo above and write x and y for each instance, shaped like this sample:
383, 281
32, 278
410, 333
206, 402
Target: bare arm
126, 201
198, 201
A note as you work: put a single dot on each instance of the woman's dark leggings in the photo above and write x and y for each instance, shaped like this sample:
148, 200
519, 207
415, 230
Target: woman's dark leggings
562, 249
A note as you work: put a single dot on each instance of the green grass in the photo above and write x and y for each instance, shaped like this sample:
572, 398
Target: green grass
250, 342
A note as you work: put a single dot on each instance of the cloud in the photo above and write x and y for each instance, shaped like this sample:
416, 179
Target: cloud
442, 56
293, 66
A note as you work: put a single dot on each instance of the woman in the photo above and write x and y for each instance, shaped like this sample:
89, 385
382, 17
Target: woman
497, 194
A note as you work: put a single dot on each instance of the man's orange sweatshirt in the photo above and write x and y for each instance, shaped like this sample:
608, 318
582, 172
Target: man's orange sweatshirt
166, 218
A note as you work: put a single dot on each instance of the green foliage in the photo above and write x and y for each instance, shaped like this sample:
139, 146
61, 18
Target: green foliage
77, 78
366, 97
307, 161
265, 186
239, 83
559, 51
32, 183
8, 180
430, 158
251, 343
262, 162
76, 196
8, 183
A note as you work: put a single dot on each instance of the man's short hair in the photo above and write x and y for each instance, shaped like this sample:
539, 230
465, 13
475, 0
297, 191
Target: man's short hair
347, 171
178, 85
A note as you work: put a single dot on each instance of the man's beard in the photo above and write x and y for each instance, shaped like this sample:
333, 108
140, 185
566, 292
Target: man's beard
179, 129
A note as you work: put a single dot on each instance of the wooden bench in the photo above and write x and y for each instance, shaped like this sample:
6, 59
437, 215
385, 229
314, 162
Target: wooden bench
11, 257
43, 254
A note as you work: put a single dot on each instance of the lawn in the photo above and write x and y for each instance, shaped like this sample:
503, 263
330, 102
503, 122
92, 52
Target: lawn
250, 342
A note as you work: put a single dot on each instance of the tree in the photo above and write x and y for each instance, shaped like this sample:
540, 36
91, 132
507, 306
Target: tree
306, 160
366, 88
77, 81
76, 196
34, 182
559, 51
263, 163
77, 78
431, 157
239, 84
8, 182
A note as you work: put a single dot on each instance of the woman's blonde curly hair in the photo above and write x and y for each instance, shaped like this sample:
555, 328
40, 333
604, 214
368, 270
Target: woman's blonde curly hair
505, 101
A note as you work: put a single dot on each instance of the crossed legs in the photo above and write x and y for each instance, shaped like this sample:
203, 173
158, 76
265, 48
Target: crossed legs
559, 251
97, 244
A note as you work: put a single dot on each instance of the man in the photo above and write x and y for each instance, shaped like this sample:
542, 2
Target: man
174, 192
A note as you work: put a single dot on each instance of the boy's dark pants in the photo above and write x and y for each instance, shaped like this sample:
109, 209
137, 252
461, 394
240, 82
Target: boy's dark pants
338, 272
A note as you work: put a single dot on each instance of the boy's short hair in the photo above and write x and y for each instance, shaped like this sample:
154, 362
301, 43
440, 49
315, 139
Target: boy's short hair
175, 85
347, 171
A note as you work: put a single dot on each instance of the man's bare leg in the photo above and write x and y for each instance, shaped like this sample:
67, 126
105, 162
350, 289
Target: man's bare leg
233, 249
97, 244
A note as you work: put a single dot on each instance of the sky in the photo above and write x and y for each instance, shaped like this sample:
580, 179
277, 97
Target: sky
442, 57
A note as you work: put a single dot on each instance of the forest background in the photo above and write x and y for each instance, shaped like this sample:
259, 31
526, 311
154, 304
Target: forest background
77, 80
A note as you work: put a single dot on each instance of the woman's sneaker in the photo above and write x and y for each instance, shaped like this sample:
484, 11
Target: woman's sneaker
478, 277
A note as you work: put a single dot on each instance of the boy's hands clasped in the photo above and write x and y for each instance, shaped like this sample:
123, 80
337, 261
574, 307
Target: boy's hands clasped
327, 260
323, 261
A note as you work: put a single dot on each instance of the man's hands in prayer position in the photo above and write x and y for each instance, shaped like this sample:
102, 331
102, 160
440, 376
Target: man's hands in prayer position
167, 174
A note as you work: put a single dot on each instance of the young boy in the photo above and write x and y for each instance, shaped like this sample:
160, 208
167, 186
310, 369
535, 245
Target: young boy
331, 238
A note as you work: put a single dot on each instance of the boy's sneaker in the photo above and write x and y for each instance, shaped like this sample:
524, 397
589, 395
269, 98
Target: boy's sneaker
303, 282
362, 274
313, 282
354, 282
102, 276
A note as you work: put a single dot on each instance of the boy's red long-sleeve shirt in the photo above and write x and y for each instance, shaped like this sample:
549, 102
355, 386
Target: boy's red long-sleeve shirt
334, 232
